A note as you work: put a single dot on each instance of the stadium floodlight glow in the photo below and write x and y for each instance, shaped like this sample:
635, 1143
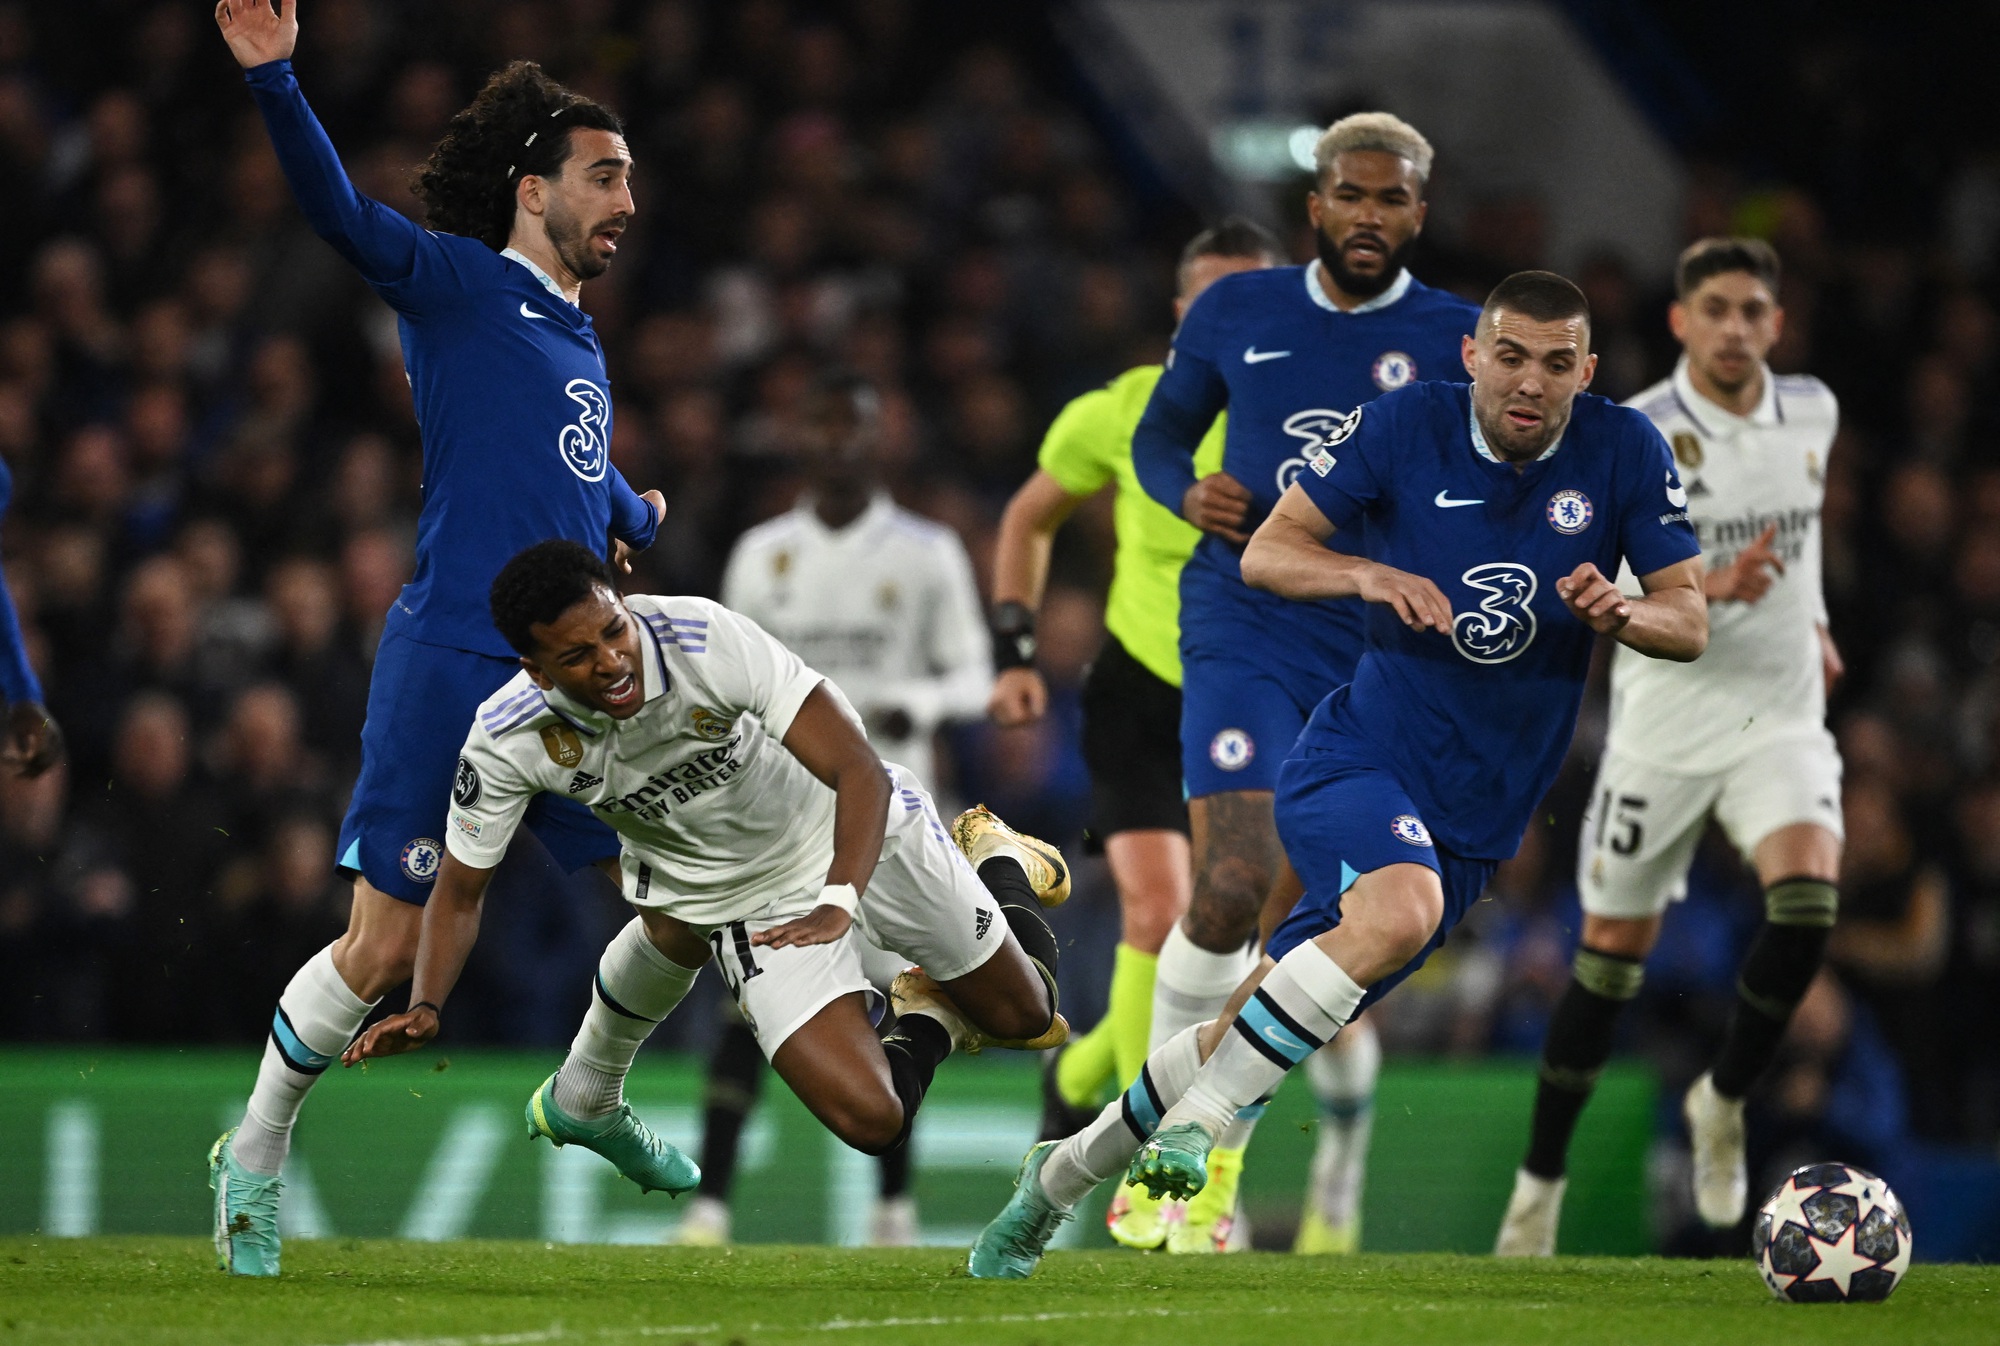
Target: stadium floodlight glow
1302, 142
1264, 151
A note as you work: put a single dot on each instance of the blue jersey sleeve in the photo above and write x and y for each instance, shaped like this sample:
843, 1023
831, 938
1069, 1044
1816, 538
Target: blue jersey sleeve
1343, 474
1184, 404
633, 521
1653, 527
383, 246
17, 676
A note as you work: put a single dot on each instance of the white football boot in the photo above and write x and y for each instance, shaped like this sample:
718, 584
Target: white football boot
1721, 1177
1529, 1227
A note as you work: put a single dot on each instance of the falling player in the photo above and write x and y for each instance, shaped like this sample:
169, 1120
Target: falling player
1290, 353
756, 822
527, 195
1131, 698
883, 602
1741, 737
1493, 514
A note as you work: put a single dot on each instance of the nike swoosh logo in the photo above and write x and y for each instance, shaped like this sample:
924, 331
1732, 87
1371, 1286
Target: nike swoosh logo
1444, 501
1253, 356
527, 312
1282, 1040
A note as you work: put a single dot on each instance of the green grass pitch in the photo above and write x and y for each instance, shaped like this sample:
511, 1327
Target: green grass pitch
336, 1292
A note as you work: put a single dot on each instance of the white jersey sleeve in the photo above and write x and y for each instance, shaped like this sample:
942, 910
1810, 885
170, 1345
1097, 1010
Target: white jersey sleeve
490, 790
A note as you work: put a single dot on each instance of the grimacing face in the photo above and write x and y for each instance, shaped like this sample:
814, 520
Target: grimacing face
591, 652
588, 204
1525, 378
1728, 327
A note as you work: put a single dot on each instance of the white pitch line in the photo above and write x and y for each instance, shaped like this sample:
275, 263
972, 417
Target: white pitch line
830, 1325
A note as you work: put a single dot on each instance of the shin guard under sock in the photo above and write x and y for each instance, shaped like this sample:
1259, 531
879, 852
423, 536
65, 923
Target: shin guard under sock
915, 1047
316, 1018
1782, 963
1008, 882
1573, 1055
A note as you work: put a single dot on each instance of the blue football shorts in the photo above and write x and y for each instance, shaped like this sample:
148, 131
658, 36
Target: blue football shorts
1253, 666
1339, 821
421, 700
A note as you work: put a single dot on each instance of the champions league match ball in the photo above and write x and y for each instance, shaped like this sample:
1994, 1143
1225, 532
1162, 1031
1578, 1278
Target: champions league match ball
1832, 1234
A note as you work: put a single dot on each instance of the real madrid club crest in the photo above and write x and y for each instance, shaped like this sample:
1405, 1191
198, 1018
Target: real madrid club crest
710, 725
1687, 450
887, 596
781, 563
1569, 512
1392, 370
1815, 473
562, 744
421, 858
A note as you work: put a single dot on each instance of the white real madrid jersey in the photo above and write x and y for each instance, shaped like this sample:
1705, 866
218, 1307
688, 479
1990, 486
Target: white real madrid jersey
698, 783
1761, 676
885, 607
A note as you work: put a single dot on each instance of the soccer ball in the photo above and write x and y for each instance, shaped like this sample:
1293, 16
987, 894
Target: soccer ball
1832, 1233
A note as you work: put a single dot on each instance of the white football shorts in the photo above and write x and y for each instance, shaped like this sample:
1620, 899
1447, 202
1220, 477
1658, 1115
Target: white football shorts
924, 906
1643, 823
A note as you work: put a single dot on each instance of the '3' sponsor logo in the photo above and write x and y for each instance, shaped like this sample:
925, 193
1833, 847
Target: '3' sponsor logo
586, 441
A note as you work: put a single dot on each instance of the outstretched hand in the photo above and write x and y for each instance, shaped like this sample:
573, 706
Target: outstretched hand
395, 1035
622, 551
34, 742
822, 925
1595, 600
256, 32
1750, 576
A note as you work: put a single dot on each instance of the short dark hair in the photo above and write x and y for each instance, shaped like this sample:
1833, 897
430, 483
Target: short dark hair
1233, 237
542, 583
1541, 296
519, 124
1707, 257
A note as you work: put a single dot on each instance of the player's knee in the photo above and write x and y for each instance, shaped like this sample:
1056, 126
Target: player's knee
375, 960
1407, 924
872, 1123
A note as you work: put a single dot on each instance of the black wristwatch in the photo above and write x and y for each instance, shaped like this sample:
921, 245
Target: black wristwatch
1013, 627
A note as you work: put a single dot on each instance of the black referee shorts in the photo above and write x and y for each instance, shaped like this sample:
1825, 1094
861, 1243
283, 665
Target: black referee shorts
1132, 745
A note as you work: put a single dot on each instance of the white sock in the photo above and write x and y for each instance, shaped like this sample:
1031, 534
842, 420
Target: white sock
1343, 1083
317, 1017
1108, 1143
636, 987
1301, 1004
1192, 985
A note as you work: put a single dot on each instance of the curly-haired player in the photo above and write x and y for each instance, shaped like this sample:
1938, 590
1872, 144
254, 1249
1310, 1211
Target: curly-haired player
526, 196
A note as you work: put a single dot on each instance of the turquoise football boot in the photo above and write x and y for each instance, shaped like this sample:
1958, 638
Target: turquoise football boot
1010, 1247
246, 1213
622, 1138
1173, 1163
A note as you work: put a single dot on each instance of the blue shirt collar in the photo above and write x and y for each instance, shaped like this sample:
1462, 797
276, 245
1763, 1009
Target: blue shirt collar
1316, 291
548, 281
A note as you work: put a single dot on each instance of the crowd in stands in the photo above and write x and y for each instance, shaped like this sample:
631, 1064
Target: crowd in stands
215, 463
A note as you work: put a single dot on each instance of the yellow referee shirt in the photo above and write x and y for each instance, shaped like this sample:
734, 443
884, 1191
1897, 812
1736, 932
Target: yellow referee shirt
1091, 444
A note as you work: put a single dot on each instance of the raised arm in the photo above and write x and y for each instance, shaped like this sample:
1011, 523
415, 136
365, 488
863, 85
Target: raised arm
450, 929
1288, 556
1670, 622
380, 244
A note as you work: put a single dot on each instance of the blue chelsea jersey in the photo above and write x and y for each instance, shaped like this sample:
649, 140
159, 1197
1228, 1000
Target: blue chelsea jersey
1475, 724
1272, 349
508, 381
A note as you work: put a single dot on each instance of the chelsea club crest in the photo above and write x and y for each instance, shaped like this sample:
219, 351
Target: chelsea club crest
1569, 512
1392, 370
1410, 828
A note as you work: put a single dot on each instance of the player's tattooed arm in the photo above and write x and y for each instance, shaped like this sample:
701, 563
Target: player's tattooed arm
833, 748
1670, 622
256, 32
1288, 556
450, 929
